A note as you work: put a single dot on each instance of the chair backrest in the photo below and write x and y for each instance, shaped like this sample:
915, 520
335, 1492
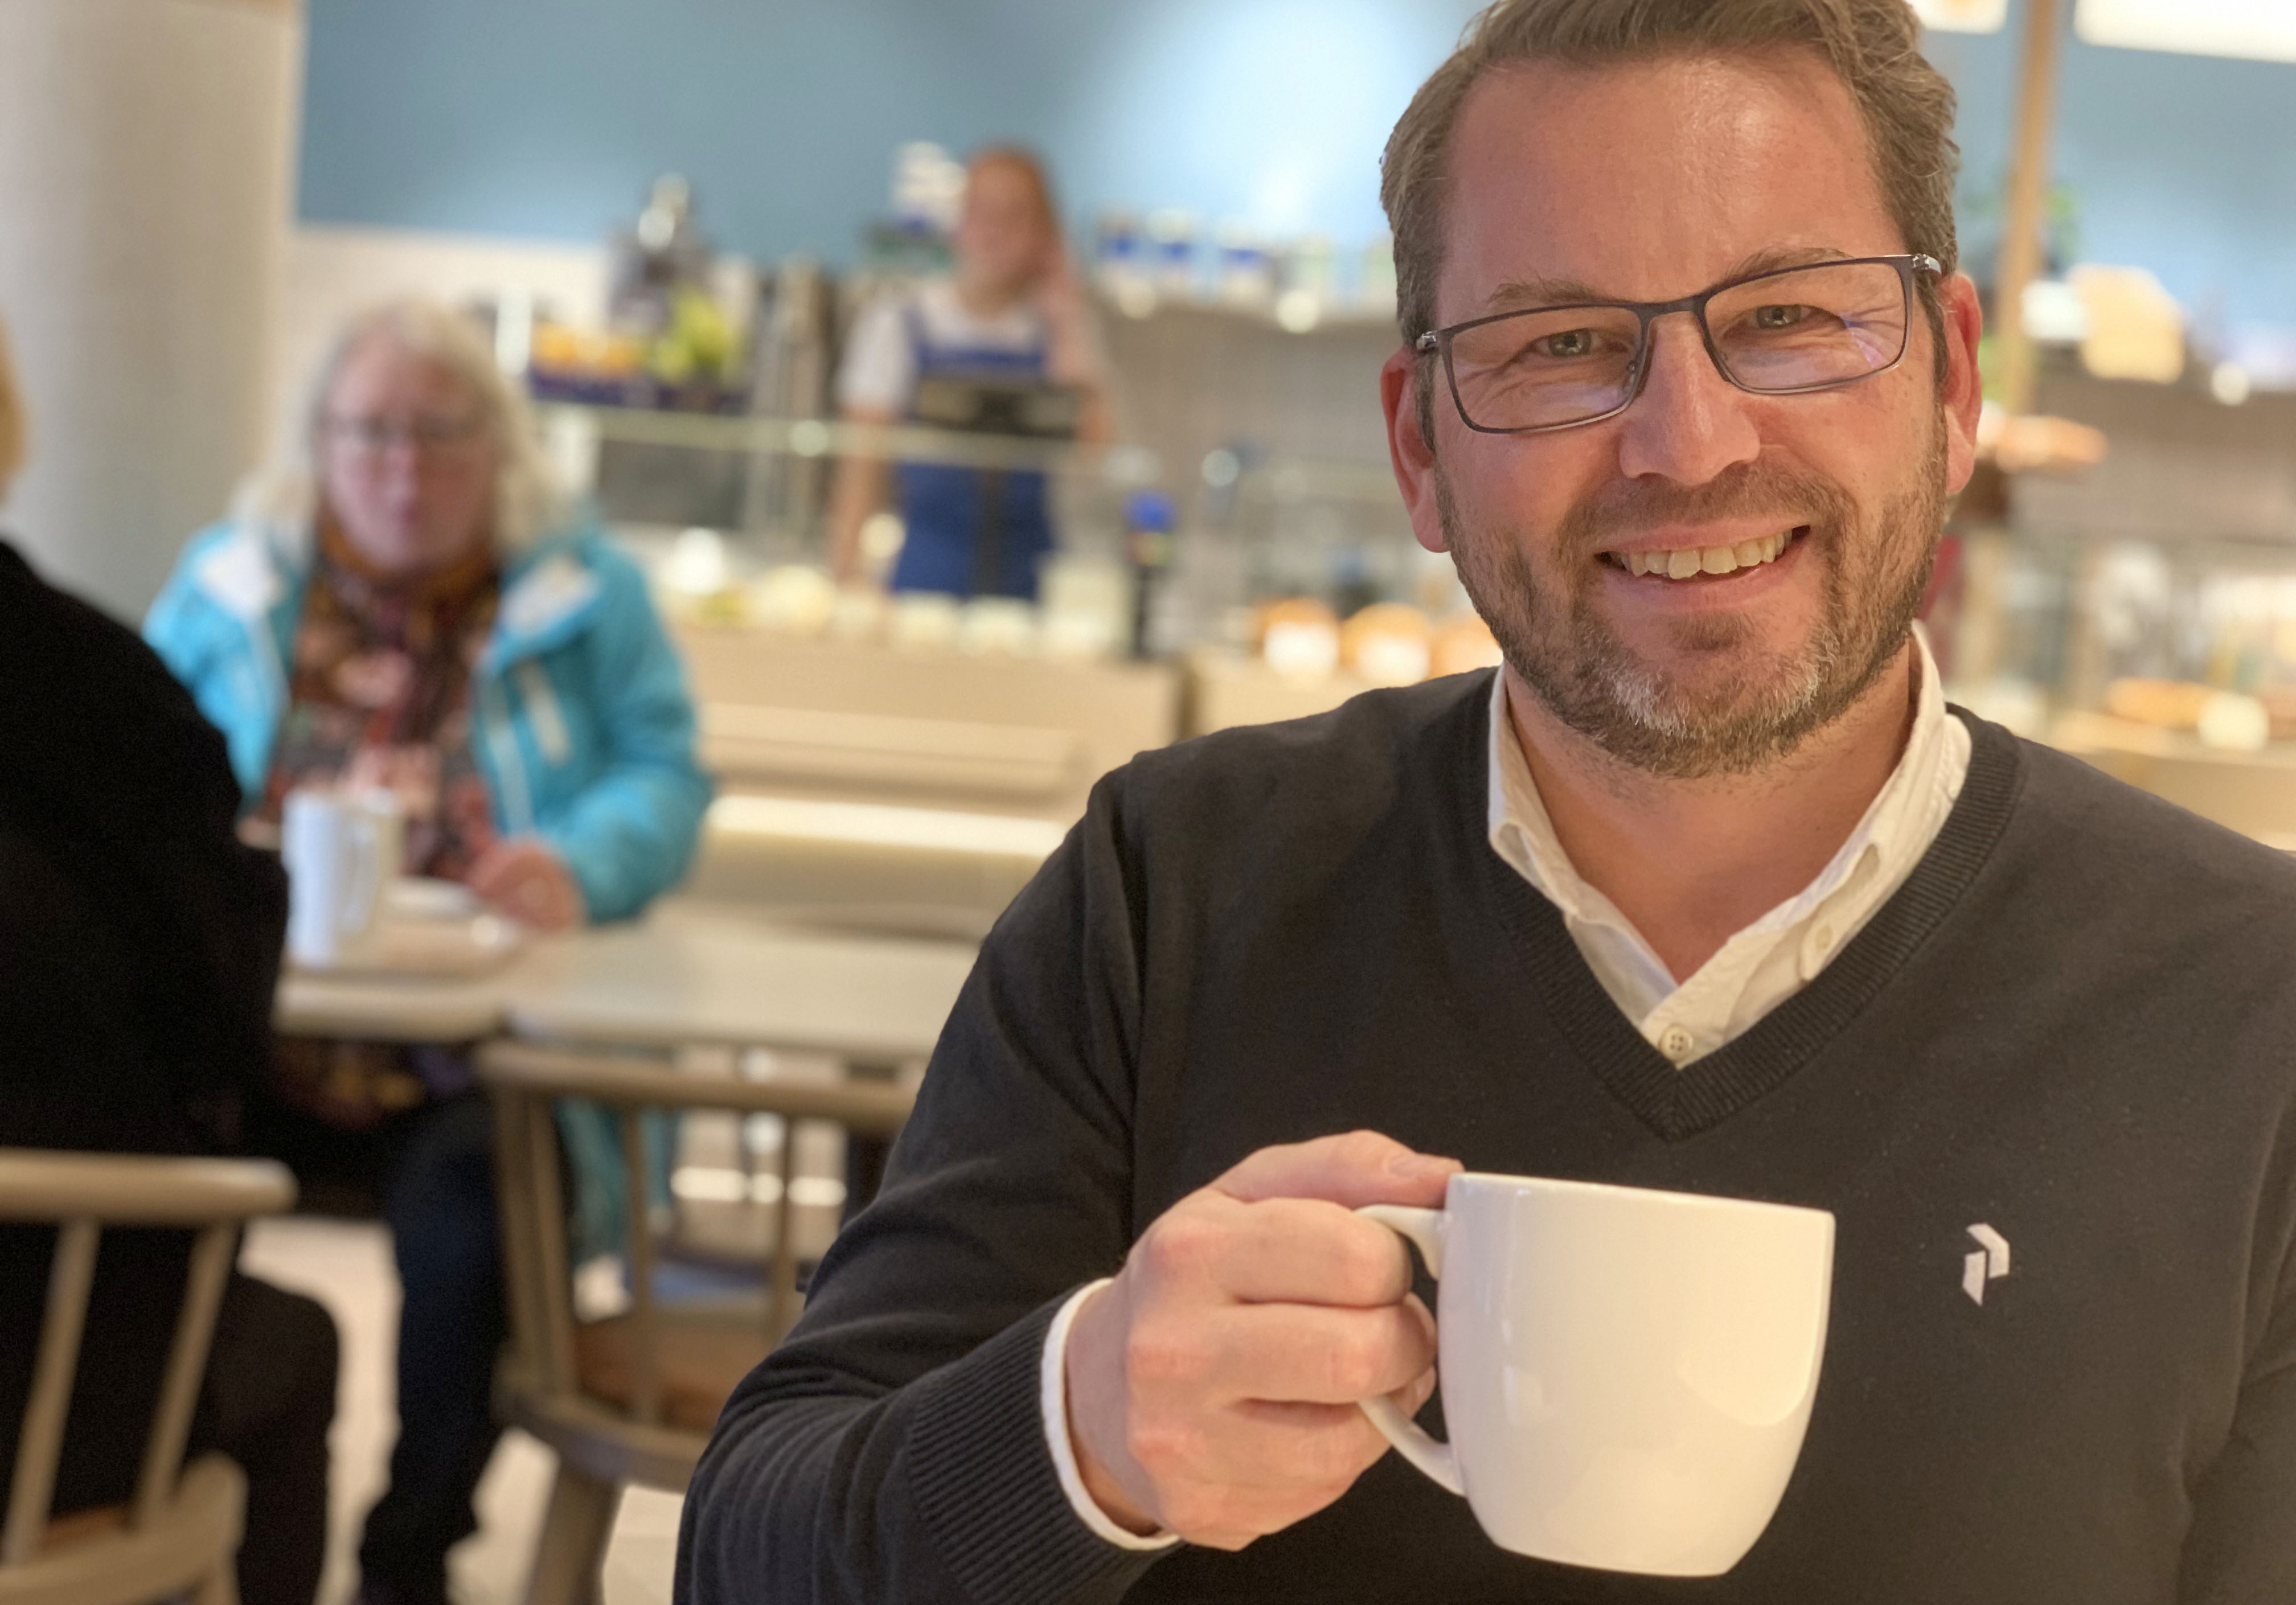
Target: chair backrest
525, 1080
81, 1194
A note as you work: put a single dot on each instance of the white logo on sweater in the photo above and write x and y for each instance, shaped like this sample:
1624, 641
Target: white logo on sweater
1989, 1262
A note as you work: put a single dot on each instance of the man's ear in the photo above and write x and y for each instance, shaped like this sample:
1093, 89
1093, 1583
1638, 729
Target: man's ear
1963, 393
1411, 453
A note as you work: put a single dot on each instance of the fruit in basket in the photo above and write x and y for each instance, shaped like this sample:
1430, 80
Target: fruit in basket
698, 344
557, 349
562, 348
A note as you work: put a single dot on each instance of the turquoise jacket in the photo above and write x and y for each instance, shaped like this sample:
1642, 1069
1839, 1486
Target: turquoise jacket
583, 731
581, 720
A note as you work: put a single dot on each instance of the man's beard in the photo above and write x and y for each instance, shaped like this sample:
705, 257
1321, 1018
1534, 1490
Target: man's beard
1562, 647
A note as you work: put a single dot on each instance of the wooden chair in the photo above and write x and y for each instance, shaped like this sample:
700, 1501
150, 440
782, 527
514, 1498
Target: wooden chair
631, 1399
181, 1534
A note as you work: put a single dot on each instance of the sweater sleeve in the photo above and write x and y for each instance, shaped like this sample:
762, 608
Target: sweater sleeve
2242, 1543
892, 1448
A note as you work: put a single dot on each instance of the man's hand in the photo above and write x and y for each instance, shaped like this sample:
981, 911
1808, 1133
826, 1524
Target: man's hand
531, 884
1213, 1385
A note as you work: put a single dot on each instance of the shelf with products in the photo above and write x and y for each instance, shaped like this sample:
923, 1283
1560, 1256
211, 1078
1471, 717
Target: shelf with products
1257, 526
1295, 313
2134, 566
2164, 655
1325, 535
819, 438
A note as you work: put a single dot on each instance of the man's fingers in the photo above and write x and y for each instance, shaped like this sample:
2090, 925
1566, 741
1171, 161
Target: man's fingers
1414, 1394
1294, 1445
1287, 1353
1267, 1465
1353, 1168
1307, 1354
1308, 1251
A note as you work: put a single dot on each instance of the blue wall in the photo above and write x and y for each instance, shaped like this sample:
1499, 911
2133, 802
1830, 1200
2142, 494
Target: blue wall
548, 118
2183, 164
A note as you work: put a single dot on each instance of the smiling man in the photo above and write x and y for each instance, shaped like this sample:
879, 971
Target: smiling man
1707, 889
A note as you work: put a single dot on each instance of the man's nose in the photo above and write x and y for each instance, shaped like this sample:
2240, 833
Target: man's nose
1689, 423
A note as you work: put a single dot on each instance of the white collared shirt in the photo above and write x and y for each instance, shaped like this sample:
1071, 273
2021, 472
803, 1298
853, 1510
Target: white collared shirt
1756, 971
1774, 957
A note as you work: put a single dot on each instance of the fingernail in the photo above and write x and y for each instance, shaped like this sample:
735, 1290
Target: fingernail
1421, 1166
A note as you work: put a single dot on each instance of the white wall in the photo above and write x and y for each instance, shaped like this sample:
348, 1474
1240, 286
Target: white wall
146, 157
333, 273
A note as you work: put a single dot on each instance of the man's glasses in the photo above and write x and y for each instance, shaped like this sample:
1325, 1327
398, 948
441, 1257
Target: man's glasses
1783, 332
429, 434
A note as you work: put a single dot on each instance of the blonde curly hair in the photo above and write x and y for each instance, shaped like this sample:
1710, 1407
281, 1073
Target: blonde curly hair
281, 498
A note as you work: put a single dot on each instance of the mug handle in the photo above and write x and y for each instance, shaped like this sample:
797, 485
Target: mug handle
1438, 1460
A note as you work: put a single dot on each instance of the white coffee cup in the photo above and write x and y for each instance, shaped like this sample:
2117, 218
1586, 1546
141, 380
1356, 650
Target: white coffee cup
341, 849
1627, 1374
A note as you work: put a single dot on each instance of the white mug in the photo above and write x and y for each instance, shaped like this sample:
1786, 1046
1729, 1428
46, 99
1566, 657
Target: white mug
341, 850
1627, 1374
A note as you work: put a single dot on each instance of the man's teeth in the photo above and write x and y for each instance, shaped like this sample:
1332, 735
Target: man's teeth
1705, 560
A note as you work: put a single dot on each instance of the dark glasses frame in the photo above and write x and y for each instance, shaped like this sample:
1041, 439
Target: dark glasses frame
1439, 340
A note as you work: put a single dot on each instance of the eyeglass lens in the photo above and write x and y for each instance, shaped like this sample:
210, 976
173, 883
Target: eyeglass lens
428, 432
1799, 331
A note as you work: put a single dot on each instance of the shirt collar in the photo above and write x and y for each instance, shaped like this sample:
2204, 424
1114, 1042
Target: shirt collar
1899, 821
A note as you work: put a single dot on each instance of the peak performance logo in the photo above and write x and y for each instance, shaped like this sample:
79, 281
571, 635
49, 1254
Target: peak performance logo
1987, 1262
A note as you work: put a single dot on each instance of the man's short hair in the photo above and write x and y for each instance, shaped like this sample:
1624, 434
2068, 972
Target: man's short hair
1875, 46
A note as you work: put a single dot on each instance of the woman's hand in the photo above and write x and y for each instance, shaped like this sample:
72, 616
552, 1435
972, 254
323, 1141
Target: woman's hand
531, 883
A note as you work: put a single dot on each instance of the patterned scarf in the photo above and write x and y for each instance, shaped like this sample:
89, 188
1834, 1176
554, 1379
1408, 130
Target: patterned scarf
380, 695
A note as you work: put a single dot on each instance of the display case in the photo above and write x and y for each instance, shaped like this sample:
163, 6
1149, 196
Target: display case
2143, 613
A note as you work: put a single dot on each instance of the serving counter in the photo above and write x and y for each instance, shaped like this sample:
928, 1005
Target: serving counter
863, 785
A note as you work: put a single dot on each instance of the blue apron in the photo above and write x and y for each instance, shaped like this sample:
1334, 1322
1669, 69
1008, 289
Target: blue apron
971, 532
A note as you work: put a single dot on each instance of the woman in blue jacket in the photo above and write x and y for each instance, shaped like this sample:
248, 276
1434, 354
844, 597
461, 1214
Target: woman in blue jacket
405, 604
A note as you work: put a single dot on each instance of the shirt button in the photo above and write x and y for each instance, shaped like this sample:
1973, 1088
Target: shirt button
1675, 1043
1821, 938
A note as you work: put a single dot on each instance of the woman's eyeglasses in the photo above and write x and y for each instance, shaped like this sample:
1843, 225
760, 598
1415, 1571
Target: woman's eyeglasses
428, 434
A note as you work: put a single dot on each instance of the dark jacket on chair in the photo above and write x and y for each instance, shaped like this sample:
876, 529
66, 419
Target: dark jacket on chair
139, 945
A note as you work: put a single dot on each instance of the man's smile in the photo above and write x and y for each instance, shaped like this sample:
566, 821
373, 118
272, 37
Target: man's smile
1705, 560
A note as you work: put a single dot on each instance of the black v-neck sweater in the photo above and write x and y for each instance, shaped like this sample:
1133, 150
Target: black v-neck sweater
2074, 1024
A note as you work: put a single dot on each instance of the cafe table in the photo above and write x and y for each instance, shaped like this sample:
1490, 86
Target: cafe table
689, 974
376, 1006
712, 975
700, 974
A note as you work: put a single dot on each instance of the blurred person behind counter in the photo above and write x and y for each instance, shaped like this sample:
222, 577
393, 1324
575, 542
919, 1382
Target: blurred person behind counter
404, 603
139, 940
1012, 313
